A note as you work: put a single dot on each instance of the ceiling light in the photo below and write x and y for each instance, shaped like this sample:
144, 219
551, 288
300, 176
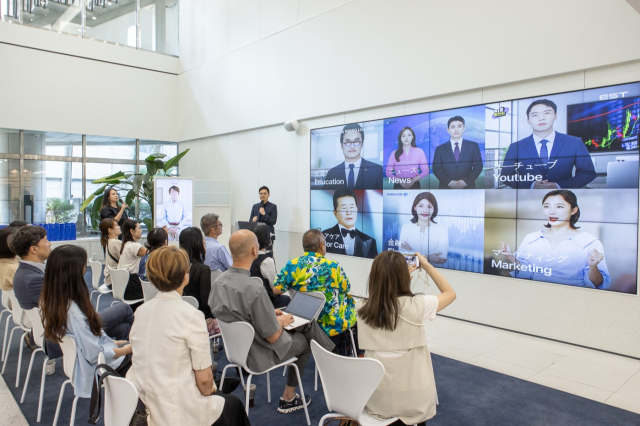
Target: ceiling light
93, 17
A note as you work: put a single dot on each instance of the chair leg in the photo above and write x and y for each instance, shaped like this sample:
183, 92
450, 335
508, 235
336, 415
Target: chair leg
20, 359
268, 388
304, 400
284, 372
72, 422
55, 418
315, 388
4, 341
44, 376
224, 373
353, 344
240, 374
6, 355
248, 392
26, 381
98, 303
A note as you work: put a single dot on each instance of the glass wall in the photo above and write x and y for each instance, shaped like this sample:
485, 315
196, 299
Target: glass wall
141, 24
51, 178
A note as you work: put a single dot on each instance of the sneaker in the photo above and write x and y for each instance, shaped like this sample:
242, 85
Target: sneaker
51, 367
293, 405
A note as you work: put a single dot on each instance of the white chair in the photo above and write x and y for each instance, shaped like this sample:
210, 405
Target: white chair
119, 281
149, 291
38, 335
238, 338
17, 313
69, 360
348, 383
120, 401
215, 274
191, 300
5, 305
96, 270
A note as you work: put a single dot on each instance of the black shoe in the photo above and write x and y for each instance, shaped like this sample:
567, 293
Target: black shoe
293, 405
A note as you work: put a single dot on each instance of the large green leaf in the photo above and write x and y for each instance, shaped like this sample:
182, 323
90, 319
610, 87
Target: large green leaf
95, 213
151, 166
131, 195
87, 202
137, 182
157, 155
173, 162
149, 223
116, 177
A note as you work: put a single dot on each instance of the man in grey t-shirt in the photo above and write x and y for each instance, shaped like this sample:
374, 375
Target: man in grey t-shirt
236, 297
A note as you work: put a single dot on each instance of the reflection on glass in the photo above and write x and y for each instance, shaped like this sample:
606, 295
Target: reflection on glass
159, 26
9, 141
9, 191
106, 147
50, 143
112, 21
56, 15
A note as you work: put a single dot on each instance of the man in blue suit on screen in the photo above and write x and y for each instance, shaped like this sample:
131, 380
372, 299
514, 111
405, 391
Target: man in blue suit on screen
354, 172
457, 163
546, 159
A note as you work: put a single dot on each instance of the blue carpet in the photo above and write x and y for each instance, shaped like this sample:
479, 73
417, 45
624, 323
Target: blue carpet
469, 395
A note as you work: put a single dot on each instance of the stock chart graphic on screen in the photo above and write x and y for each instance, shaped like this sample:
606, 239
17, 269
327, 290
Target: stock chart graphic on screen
543, 189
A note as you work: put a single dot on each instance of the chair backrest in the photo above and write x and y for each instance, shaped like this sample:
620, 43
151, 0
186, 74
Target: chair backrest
215, 274
120, 401
69, 356
149, 291
191, 300
5, 299
238, 337
35, 317
348, 383
96, 271
17, 312
119, 281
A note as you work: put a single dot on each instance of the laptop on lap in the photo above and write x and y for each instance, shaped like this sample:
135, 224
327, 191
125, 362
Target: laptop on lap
304, 308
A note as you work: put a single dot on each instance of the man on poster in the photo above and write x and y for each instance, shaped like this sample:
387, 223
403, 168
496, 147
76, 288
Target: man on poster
173, 214
546, 159
344, 238
457, 163
265, 212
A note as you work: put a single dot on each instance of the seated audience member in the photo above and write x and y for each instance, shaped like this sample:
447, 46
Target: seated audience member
264, 267
391, 327
8, 260
67, 311
235, 297
109, 239
17, 224
199, 286
156, 238
217, 257
131, 254
172, 358
313, 272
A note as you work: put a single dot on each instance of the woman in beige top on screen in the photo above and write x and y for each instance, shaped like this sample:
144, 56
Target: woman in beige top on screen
391, 329
110, 231
172, 362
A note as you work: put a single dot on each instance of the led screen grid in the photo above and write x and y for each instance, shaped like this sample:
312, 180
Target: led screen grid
483, 197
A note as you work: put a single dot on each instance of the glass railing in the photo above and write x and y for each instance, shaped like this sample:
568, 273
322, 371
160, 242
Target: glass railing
141, 24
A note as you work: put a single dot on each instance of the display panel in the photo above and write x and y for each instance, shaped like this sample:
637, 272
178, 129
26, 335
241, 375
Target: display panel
540, 189
173, 198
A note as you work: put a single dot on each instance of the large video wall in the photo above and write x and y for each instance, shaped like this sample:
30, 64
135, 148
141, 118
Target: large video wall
541, 189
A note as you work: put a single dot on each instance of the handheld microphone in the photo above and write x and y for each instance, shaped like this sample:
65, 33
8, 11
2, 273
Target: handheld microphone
262, 203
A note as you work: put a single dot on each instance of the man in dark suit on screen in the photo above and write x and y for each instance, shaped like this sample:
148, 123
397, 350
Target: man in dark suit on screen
546, 159
354, 172
344, 238
457, 163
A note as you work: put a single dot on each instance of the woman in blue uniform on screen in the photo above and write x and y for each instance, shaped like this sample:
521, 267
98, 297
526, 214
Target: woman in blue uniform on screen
560, 254
423, 234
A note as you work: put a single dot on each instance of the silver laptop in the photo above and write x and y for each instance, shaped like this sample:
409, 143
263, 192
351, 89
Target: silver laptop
304, 308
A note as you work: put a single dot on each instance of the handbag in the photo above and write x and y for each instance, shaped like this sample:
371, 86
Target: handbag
141, 413
230, 383
343, 421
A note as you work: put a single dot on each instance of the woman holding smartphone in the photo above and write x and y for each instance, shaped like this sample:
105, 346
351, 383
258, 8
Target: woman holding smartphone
391, 329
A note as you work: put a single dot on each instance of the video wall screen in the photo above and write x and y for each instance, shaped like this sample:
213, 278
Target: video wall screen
541, 189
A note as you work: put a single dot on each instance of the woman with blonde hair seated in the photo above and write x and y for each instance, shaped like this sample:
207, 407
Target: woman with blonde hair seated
172, 369
391, 329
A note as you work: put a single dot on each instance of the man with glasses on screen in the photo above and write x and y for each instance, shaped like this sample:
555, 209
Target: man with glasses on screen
546, 159
344, 238
354, 172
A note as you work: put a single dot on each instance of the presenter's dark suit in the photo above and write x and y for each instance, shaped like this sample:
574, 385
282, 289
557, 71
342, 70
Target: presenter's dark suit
522, 160
369, 176
365, 246
467, 168
269, 218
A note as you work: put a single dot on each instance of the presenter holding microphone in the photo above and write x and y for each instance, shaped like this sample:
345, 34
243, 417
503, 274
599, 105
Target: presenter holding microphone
265, 212
111, 209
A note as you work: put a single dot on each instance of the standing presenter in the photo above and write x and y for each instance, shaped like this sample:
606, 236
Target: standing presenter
265, 212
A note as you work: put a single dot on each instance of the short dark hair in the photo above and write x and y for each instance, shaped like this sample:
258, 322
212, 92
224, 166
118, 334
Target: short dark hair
156, 238
571, 199
192, 241
175, 188
351, 128
263, 234
25, 238
18, 224
546, 102
456, 118
5, 237
264, 187
343, 193
312, 240
431, 199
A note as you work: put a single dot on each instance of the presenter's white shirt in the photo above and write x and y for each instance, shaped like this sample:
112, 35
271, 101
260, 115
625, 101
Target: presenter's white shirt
349, 241
356, 169
434, 239
174, 212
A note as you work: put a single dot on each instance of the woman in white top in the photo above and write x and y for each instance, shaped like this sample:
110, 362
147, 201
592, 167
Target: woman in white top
423, 234
391, 329
172, 369
110, 231
130, 255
